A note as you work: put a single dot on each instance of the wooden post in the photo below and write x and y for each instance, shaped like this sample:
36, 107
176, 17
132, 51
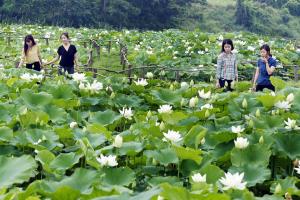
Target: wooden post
177, 75
143, 72
90, 60
121, 54
296, 75
8, 40
109, 46
47, 41
129, 73
95, 72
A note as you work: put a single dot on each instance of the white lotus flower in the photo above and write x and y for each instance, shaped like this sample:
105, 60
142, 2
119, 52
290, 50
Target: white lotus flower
165, 109
107, 160
126, 113
198, 178
184, 85
241, 143
237, 129
37, 77
298, 169
79, 77
149, 52
291, 124
283, 105
233, 181
142, 82
47, 35
118, 142
73, 125
273, 94
245, 103
235, 51
290, 98
26, 77
149, 75
95, 87
81, 86
173, 136
160, 198
207, 106
204, 95
250, 48
193, 102
36, 143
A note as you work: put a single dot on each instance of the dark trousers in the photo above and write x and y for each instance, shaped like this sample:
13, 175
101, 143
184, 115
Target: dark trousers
222, 84
262, 87
36, 66
62, 70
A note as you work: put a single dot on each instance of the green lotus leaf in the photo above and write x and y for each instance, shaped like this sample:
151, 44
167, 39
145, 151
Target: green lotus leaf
164, 156
188, 153
35, 100
165, 96
130, 148
105, 118
253, 174
118, 176
254, 155
16, 170
288, 144
6, 134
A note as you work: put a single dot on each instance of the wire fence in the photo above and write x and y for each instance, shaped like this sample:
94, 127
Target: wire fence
127, 68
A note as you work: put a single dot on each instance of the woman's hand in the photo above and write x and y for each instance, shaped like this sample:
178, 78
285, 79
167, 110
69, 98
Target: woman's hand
265, 60
217, 84
253, 88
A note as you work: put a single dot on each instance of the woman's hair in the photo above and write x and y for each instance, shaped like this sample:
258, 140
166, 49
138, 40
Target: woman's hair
267, 48
65, 34
28, 38
227, 41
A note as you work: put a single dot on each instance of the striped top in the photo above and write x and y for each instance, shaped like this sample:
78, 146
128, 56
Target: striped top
226, 66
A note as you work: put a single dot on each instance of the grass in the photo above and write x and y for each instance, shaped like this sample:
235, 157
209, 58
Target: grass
110, 61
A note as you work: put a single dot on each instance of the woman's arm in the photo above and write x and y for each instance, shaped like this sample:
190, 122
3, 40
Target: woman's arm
54, 60
76, 62
39, 55
236, 72
218, 71
270, 69
22, 59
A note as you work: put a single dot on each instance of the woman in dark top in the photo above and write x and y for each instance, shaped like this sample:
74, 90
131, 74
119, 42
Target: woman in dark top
67, 55
265, 68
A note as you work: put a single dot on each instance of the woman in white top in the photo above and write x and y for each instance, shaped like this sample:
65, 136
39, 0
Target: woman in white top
31, 55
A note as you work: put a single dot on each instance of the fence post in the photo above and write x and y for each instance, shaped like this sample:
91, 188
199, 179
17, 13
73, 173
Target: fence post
109, 46
177, 75
95, 72
296, 75
121, 54
8, 40
129, 73
47, 41
143, 72
90, 60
